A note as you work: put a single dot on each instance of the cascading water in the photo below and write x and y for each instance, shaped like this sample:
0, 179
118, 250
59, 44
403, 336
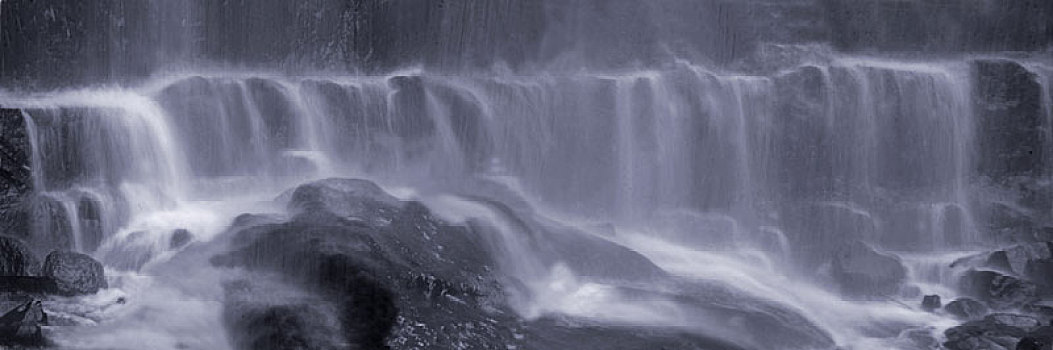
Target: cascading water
749, 183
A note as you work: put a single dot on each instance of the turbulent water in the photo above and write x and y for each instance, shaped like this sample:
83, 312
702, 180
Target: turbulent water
748, 175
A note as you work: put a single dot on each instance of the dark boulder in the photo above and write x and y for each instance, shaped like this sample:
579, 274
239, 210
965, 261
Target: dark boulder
861, 271
997, 290
180, 238
966, 308
74, 273
21, 325
931, 302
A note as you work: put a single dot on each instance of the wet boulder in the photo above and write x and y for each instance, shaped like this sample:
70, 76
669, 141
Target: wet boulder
966, 308
861, 271
21, 326
997, 290
931, 302
74, 273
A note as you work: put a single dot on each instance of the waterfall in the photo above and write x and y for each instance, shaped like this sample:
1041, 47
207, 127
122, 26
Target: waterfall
741, 149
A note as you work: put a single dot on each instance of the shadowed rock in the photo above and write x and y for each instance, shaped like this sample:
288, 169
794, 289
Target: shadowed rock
21, 326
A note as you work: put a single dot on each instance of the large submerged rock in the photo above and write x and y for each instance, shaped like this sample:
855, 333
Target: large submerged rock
362, 268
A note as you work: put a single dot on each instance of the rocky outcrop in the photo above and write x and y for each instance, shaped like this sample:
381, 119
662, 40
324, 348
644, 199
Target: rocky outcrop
21, 326
74, 273
859, 270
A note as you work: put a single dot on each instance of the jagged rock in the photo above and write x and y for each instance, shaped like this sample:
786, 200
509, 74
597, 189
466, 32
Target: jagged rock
180, 237
21, 325
74, 273
861, 271
966, 308
931, 302
998, 290
996, 331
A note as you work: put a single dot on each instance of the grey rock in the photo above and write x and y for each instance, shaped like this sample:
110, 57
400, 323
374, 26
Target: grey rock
861, 271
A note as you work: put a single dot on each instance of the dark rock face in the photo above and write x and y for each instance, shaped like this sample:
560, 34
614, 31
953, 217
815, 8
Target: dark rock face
998, 290
930, 302
21, 325
16, 259
74, 273
16, 183
966, 308
1008, 99
939, 26
862, 271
